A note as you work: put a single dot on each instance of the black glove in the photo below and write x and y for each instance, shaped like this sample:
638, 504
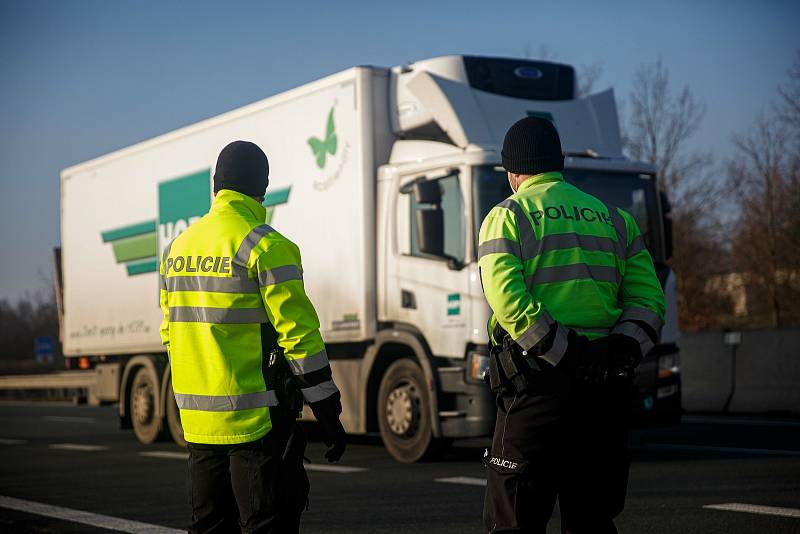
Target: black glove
335, 439
327, 413
593, 362
576, 344
586, 361
625, 354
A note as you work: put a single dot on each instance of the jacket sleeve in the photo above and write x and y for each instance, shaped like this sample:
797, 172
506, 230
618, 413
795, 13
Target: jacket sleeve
502, 268
640, 292
163, 300
280, 277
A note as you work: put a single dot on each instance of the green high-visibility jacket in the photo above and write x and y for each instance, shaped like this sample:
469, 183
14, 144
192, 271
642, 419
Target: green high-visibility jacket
551, 255
223, 281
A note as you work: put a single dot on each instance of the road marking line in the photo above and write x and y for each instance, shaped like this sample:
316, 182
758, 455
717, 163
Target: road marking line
166, 454
66, 419
84, 518
9, 441
469, 481
334, 468
729, 450
755, 509
77, 447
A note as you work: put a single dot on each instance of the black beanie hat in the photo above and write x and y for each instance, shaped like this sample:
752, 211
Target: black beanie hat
242, 167
532, 147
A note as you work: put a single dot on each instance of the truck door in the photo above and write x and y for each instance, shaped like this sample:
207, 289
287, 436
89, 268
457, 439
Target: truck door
427, 284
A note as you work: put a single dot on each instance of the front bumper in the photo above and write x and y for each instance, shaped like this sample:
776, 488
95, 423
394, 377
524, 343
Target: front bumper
657, 397
466, 405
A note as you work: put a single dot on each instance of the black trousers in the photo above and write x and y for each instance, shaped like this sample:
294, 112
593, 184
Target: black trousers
250, 487
559, 440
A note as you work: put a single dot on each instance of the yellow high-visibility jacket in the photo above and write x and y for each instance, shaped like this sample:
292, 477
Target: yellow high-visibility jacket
223, 282
553, 256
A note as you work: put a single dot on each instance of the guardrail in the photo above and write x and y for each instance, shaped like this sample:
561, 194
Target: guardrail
72, 385
60, 380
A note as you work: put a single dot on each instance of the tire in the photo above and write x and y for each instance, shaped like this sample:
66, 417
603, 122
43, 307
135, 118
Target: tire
173, 418
404, 415
143, 402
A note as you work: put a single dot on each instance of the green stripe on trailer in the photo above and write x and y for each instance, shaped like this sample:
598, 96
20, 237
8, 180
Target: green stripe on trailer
142, 267
273, 198
135, 248
128, 231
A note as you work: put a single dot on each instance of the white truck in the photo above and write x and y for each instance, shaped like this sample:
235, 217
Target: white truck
382, 177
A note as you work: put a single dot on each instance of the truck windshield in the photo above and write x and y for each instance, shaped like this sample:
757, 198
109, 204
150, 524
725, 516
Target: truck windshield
633, 192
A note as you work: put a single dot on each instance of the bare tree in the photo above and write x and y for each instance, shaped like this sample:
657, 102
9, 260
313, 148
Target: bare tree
545, 53
588, 76
788, 108
767, 242
660, 127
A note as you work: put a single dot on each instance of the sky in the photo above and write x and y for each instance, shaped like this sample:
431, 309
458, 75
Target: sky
79, 79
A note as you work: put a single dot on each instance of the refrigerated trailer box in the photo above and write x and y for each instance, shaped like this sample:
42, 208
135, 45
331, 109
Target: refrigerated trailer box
392, 272
120, 211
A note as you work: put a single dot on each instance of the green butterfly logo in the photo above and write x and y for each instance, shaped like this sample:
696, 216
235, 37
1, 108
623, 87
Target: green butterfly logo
321, 148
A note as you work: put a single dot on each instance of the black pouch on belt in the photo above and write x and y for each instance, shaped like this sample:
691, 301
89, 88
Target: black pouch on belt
281, 379
509, 370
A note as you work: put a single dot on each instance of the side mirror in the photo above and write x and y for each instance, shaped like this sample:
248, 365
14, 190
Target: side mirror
427, 192
666, 208
430, 230
430, 219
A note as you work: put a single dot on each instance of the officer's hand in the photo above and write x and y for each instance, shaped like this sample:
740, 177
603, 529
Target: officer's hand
335, 449
335, 439
625, 354
593, 362
327, 413
571, 358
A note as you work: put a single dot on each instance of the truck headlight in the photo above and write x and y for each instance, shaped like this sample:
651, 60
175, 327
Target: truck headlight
668, 365
478, 364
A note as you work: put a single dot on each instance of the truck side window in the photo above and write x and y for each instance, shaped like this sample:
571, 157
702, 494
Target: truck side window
454, 220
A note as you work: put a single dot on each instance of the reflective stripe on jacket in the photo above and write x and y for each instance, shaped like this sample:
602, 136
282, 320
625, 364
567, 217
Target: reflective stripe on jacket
222, 279
551, 254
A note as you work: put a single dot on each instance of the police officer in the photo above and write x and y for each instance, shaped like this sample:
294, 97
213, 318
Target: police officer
576, 306
232, 296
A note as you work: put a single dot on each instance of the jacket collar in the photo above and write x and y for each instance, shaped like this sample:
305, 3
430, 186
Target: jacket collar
227, 201
543, 178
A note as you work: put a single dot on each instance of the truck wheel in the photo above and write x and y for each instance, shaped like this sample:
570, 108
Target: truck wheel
143, 403
174, 417
404, 416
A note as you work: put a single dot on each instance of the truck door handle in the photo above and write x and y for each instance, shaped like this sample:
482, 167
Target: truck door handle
408, 300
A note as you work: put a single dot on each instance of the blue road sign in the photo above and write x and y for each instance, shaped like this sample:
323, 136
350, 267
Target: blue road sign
43, 349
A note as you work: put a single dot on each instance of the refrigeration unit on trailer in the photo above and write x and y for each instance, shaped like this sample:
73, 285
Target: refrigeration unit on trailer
382, 177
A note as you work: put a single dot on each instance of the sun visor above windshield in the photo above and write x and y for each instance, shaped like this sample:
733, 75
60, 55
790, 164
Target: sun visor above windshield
468, 116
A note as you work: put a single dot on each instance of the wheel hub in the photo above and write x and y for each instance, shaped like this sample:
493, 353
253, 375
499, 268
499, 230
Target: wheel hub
143, 403
402, 411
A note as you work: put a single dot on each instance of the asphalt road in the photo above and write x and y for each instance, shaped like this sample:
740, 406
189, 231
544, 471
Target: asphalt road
64, 460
